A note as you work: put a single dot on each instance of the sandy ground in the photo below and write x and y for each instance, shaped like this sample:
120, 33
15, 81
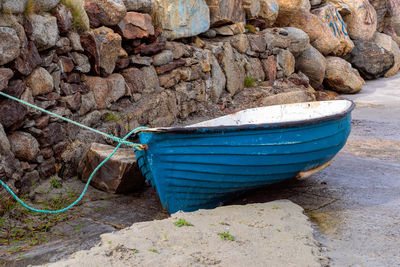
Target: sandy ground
270, 234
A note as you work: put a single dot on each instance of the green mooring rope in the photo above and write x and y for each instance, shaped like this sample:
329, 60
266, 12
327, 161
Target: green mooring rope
119, 140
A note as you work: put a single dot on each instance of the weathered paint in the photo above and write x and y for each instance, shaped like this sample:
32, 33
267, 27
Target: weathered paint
200, 167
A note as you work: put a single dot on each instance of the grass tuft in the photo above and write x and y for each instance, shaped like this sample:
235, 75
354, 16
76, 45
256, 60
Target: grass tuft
250, 28
154, 250
112, 117
56, 183
182, 222
77, 7
226, 236
30, 7
249, 82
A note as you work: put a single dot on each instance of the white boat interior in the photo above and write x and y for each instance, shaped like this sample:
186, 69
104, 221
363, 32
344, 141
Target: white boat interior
280, 114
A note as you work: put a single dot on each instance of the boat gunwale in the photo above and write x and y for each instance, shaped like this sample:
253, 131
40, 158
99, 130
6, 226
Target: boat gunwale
232, 128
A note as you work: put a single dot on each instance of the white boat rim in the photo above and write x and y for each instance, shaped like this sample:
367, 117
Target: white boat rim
277, 114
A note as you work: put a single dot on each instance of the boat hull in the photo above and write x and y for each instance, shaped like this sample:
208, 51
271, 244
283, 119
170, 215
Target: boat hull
204, 167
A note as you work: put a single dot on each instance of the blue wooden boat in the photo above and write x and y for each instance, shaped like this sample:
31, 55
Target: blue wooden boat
203, 165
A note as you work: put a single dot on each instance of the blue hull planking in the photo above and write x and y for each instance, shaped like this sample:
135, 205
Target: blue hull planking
202, 169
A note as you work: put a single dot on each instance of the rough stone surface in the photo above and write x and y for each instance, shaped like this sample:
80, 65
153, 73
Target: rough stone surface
382, 9
269, 10
234, 77
321, 35
134, 79
81, 61
136, 25
64, 18
120, 174
104, 45
240, 42
12, 112
28, 60
250, 225
144, 6
163, 58
361, 20
230, 30
106, 90
5, 146
218, 80
45, 5
40, 81
254, 69
226, 11
257, 42
44, 30
287, 6
286, 62
299, 40
332, 17
9, 45
14, 6
180, 19
24, 145
269, 67
313, 64
252, 8
151, 82
5, 75
110, 12
75, 40
370, 59
341, 77
390, 45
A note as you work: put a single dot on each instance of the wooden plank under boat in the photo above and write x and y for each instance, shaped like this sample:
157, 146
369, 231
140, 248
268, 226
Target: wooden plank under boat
202, 165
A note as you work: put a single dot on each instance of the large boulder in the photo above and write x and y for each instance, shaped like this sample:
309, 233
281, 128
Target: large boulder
104, 45
313, 64
9, 45
337, 26
44, 30
299, 40
321, 35
390, 45
120, 174
288, 6
105, 12
394, 15
382, 10
226, 12
269, 11
24, 146
179, 19
107, 90
359, 16
341, 77
143, 6
371, 60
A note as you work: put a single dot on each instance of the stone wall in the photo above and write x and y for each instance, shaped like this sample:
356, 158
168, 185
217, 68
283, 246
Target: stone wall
117, 64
